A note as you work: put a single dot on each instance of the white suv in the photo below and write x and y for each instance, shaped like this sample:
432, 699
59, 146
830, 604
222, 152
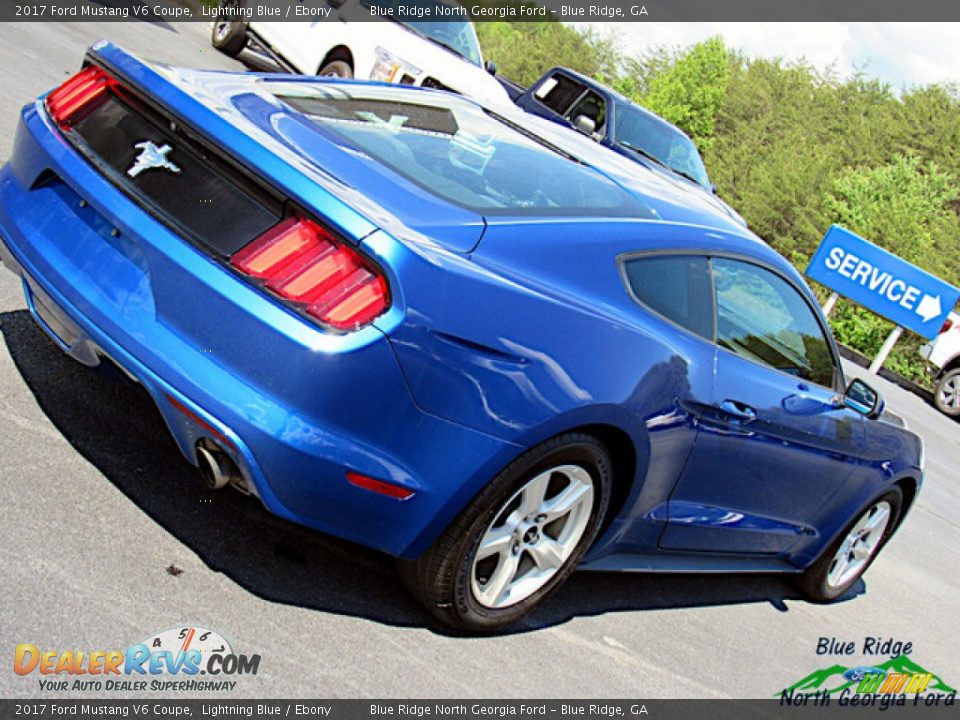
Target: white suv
943, 354
444, 54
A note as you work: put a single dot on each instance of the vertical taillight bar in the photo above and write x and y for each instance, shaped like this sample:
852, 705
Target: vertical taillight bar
79, 92
304, 264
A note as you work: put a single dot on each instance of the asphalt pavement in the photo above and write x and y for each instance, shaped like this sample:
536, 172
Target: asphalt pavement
100, 512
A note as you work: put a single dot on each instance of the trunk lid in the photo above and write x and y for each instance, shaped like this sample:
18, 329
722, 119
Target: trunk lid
251, 153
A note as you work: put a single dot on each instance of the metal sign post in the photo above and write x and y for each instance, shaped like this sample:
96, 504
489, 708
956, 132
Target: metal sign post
885, 349
829, 304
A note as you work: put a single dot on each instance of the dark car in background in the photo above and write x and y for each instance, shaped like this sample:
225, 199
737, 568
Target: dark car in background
581, 103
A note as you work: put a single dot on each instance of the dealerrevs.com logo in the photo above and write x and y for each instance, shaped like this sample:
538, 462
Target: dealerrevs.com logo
168, 661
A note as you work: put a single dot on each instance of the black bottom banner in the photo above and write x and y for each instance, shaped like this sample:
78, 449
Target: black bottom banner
811, 706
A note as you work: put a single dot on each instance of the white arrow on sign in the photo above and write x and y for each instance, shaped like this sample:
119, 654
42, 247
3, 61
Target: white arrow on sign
929, 307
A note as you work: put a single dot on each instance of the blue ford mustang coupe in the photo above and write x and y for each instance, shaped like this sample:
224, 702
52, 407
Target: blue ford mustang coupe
401, 318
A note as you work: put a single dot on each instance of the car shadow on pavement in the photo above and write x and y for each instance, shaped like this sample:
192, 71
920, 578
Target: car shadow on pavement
114, 424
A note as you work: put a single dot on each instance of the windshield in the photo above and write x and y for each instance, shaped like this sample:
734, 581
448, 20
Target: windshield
453, 34
458, 151
642, 131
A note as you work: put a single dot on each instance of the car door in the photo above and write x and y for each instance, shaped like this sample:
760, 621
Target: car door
302, 44
673, 295
305, 43
777, 441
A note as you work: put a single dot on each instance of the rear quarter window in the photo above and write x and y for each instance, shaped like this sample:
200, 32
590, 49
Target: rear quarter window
676, 287
558, 92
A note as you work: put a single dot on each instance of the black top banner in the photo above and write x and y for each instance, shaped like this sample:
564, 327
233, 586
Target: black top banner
480, 10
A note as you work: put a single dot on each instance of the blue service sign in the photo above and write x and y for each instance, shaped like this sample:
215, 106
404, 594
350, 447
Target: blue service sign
882, 282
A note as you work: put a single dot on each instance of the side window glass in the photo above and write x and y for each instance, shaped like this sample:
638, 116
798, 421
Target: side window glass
558, 92
763, 318
592, 107
676, 287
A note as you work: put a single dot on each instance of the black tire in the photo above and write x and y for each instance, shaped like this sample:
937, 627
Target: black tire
227, 36
441, 577
814, 583
336, 68
948, 387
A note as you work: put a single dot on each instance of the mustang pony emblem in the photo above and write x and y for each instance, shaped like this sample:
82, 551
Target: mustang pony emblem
152, 156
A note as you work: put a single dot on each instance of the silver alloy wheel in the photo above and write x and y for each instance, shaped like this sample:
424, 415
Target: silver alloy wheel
950, 393
532, 536
860, 544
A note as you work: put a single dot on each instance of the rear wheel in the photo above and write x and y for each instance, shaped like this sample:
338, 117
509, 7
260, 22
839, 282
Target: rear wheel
947, 394
519, 539
227, 36
854, 551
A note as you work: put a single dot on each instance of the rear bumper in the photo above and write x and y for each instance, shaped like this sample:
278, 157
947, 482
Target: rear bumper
298, 406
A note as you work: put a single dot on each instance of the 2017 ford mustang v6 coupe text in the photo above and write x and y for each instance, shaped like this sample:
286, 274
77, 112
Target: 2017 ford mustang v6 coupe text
406, 320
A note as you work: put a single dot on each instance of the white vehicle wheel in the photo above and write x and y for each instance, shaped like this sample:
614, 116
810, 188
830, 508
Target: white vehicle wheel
226, 36
337, 69
947, 394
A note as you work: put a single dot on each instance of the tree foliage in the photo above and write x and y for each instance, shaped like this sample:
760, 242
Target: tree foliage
524, 51
689, 91
899, 206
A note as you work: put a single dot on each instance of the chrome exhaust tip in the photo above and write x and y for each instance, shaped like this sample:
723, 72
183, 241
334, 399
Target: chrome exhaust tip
216, 467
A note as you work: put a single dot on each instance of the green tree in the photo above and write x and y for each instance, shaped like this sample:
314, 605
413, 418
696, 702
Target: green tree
688, 91
524, 51
775, 151
899, 206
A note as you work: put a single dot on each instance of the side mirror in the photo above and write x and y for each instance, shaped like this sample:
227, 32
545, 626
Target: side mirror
585, 124
863, 398
713, 188
490, 66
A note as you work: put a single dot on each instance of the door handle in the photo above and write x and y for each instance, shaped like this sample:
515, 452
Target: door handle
738, 410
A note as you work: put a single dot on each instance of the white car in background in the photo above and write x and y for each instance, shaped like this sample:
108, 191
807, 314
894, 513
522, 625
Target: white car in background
443, 55
943, 355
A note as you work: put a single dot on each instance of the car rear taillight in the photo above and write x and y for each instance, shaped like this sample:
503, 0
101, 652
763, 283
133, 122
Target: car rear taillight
304, 264
78, 93
947, 324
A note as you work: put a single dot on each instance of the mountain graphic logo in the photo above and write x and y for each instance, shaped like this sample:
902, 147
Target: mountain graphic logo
837, 678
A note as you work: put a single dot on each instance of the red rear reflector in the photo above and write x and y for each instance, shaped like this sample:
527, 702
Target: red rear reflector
947, 324
378, 486
77, 93
303, 263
